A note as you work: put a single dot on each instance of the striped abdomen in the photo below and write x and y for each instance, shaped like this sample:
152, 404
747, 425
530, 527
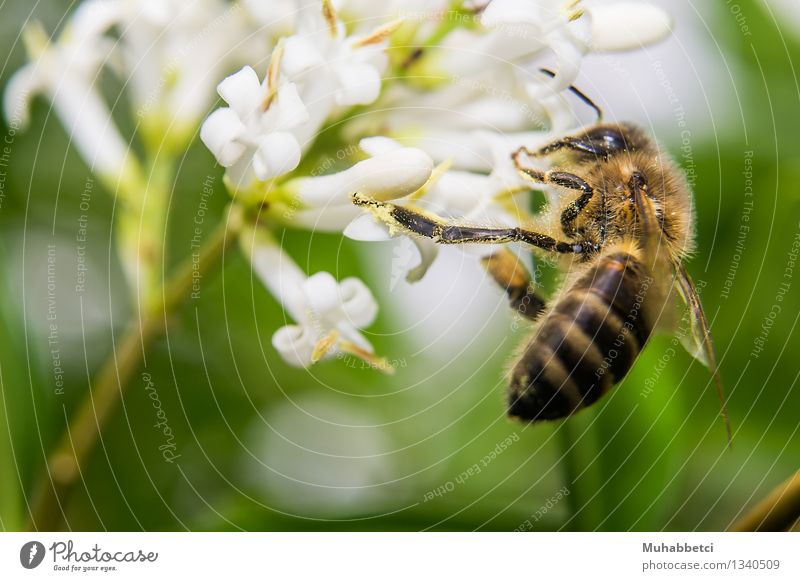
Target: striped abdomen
586, 343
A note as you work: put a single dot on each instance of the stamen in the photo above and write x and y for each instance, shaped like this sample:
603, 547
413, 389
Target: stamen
436, 174
324, 345
379, 34
329, 13
376, 362
571, 11
272, 75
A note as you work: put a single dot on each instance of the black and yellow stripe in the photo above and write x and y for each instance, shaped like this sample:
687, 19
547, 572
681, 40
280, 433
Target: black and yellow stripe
586, 343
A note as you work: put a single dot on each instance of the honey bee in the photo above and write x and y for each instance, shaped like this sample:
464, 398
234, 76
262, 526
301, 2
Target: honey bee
625, 225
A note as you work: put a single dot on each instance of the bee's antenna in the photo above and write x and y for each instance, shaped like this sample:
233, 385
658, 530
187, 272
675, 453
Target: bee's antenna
580, 94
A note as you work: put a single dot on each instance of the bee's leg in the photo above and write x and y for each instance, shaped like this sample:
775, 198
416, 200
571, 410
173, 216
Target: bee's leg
509, 272
430, 226
563, 179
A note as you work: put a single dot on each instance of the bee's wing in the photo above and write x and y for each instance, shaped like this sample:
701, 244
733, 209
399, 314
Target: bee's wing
697, 338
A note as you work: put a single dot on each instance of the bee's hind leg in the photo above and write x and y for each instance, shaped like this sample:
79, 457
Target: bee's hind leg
512, 276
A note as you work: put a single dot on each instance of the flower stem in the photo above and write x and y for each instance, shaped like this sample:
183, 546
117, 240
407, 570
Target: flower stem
74, 450
779, 510
141, 227
582, 470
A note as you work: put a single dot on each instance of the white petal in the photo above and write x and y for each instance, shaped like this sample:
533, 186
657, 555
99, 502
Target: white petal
240, 176
329, 190
357, 302
569, 55
366, 229
384, 177
500, 12
219, 133
330, 218
560, 112
378, 144
276, 17
92, 19
350, 333
88, 122
276, 271
463, 148
628, 25
24, 84
277, 154
359, 84
242, 91
394, 174
428, 251
292, 110
300, 55
294, 345
322, 294
457, 192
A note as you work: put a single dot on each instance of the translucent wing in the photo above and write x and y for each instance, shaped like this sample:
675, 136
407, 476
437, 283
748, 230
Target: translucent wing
696, 338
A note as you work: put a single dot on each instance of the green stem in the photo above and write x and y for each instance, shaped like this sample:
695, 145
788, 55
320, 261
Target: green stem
73, 453
579, 455
141, 229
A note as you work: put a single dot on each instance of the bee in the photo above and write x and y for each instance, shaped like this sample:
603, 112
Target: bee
625, 223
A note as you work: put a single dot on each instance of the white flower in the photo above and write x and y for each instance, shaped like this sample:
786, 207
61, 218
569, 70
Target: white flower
170, 54
253, 137
457, 195
275, 18
66, 71
330, 68
628, 25
386, 175
328, 314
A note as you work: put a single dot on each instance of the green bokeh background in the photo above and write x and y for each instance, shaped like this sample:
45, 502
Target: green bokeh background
658, 462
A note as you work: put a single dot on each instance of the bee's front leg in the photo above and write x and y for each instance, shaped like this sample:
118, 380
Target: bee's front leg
421, 223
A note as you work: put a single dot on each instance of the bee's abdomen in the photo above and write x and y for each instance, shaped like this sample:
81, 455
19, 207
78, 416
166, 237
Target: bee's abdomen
586, 343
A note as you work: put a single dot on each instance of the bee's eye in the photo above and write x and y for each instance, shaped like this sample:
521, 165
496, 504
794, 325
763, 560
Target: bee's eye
612, 139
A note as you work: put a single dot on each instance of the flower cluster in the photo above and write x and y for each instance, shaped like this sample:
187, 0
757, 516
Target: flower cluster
436, 95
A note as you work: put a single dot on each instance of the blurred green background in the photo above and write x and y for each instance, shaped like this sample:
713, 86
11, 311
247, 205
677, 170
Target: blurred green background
264, 446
